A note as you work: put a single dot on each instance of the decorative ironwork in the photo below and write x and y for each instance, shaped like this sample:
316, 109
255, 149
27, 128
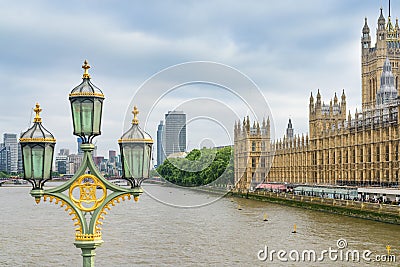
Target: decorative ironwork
88, 185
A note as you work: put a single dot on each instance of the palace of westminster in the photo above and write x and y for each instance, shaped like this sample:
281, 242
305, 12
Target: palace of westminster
341, 149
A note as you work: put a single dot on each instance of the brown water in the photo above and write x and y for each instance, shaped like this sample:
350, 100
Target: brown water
150, 233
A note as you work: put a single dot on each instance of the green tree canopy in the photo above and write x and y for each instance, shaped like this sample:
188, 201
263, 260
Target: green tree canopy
200, 167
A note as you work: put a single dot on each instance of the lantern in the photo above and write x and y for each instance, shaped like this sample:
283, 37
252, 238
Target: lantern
37, 146
86, 106
135, 147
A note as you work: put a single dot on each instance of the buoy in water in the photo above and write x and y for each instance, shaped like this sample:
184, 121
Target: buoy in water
294, 230
239, 208
265, 217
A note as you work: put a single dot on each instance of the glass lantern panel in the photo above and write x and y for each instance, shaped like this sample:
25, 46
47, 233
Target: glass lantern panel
27, 161
76, 116
87, 117
146, 161
126, 150
133, 156
48, 159
37, 162
97, 116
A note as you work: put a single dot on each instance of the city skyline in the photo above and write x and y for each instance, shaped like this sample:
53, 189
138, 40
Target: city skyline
313, 47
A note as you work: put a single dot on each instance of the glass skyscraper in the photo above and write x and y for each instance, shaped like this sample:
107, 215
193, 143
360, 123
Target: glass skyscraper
174, 138
160, 149
10, 141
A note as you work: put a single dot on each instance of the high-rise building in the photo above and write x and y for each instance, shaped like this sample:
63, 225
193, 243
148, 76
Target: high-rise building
62, 164
10, 140
160, 149
64, 152
79, 141
4, 158
75, 162
112, 154
174, 139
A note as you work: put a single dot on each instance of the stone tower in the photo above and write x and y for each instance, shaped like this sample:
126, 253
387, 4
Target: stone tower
323, 116
253, 154
373, 58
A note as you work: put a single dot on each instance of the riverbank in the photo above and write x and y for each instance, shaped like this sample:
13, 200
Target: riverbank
364, 210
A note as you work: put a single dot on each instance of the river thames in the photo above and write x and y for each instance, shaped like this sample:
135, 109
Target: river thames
150, 233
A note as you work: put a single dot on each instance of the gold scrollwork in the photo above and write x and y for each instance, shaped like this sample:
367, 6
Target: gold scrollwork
88, 185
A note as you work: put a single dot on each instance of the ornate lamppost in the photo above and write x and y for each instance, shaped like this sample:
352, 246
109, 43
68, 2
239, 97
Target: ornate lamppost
87, 195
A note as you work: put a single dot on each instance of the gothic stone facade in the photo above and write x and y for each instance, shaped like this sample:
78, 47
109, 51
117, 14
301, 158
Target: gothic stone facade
360, 150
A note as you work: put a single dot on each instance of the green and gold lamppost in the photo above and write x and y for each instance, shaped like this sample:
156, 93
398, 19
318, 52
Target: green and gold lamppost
87, 196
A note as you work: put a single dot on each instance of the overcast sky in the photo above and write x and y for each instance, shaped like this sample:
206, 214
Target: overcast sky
289, 48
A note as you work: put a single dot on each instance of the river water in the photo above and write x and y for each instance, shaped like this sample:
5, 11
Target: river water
151, 233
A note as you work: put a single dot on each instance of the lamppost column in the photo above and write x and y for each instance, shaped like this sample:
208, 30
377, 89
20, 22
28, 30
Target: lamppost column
88, 251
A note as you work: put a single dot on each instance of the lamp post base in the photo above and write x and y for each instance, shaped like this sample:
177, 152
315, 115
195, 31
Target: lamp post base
88, 253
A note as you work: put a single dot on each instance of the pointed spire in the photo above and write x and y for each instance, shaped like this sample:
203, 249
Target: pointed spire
343, 96
387, 91
289, 130
318, 98
381, 20
311, 99
263, 123
365, 28
335, 99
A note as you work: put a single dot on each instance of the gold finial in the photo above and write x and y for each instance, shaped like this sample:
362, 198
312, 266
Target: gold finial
135, 112
37, 110
86, 66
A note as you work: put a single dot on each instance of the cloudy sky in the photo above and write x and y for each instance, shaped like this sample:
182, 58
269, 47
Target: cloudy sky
289, 48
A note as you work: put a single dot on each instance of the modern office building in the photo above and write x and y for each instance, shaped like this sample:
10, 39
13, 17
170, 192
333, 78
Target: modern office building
5, 159
10, 140
174, 139
74, 161
62, 164
79, 142
112, 156
64, 152
160, 149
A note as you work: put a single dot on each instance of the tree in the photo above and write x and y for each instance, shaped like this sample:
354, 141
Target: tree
200, 167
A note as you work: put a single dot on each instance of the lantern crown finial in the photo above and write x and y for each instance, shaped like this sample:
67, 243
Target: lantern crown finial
135, 112
37, 110
86, 67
